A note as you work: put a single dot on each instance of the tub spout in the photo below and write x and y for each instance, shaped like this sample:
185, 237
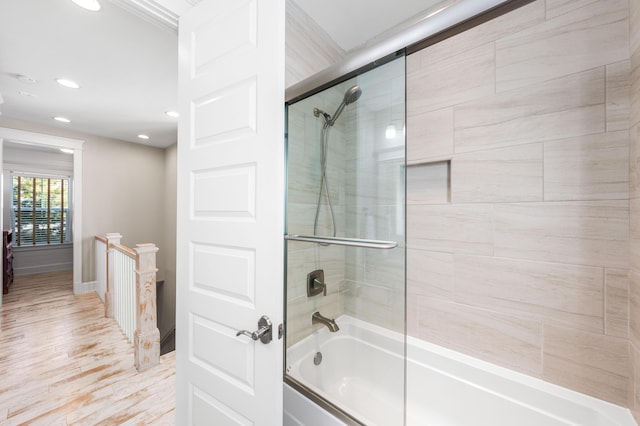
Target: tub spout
317, 318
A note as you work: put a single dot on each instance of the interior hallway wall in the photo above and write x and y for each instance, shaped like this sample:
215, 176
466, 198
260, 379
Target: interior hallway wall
167, 255
634, 194
123, 190
518, 193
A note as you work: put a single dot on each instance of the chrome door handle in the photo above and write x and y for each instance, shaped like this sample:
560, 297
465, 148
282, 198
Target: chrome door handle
264, 331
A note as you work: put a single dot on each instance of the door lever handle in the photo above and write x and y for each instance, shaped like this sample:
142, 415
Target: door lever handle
264, 332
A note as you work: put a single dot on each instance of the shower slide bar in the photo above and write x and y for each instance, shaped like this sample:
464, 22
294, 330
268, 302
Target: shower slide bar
352, 242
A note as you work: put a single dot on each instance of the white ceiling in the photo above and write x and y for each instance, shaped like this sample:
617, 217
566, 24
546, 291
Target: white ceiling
127, 66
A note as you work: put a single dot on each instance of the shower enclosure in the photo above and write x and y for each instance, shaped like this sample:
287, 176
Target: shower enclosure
345, 251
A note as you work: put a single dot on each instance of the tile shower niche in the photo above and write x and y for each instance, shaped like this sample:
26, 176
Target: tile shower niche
429, 182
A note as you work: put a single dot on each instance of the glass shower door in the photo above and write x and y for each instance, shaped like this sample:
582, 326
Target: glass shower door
345, 272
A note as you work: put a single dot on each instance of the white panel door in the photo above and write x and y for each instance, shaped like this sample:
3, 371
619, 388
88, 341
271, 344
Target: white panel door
230, 212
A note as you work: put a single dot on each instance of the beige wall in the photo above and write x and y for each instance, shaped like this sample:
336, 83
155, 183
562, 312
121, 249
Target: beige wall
167, 256
520, 255
123, 190
634, 194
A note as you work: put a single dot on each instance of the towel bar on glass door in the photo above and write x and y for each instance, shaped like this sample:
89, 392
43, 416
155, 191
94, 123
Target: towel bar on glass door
353, 242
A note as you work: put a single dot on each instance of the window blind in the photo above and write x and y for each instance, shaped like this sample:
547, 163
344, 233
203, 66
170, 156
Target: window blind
40, 210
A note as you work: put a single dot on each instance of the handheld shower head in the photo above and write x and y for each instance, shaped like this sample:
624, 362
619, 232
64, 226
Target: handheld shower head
350, 96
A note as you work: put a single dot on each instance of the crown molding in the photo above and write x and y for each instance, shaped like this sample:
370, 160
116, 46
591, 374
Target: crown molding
163, 13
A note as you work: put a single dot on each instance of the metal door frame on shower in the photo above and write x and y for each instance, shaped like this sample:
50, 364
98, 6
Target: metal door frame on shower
412, 37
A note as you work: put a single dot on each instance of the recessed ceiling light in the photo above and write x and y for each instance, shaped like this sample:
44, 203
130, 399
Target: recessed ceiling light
68, 83
142, 136
62, 119
173, 114
66, 150
92, 5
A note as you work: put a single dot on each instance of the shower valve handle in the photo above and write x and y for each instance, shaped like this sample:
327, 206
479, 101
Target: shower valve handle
263, 333
320, 284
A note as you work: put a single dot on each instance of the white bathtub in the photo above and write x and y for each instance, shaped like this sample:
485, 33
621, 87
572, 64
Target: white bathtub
362, 372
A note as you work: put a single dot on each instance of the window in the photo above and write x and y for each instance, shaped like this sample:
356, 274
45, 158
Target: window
40, 210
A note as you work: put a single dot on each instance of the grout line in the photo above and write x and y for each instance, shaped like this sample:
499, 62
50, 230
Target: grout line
544, 198
542, 375
604, 301
606, 98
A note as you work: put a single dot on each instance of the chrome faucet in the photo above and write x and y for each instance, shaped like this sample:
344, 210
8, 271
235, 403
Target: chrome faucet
317, 318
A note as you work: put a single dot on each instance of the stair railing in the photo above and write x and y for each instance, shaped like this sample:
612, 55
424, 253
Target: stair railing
130, 295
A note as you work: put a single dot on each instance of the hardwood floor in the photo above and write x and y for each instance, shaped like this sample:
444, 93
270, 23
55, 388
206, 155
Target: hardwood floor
63, 363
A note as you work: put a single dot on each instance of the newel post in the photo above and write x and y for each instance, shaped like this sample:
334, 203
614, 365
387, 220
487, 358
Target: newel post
146, 338
112, 238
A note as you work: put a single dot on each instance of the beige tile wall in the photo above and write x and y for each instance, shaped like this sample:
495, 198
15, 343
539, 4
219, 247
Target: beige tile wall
564, 107
505, 339
616, 297
634, 193
596, 35
309, 50
478, 177
303, 177
375, 279
591, 167
592, 363
366, 181
528, 265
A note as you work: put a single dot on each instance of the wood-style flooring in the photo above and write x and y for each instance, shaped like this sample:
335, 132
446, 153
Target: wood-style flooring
63, 363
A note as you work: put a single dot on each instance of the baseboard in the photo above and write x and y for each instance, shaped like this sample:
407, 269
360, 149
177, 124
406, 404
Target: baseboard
40, 269
171, 331
85, 287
